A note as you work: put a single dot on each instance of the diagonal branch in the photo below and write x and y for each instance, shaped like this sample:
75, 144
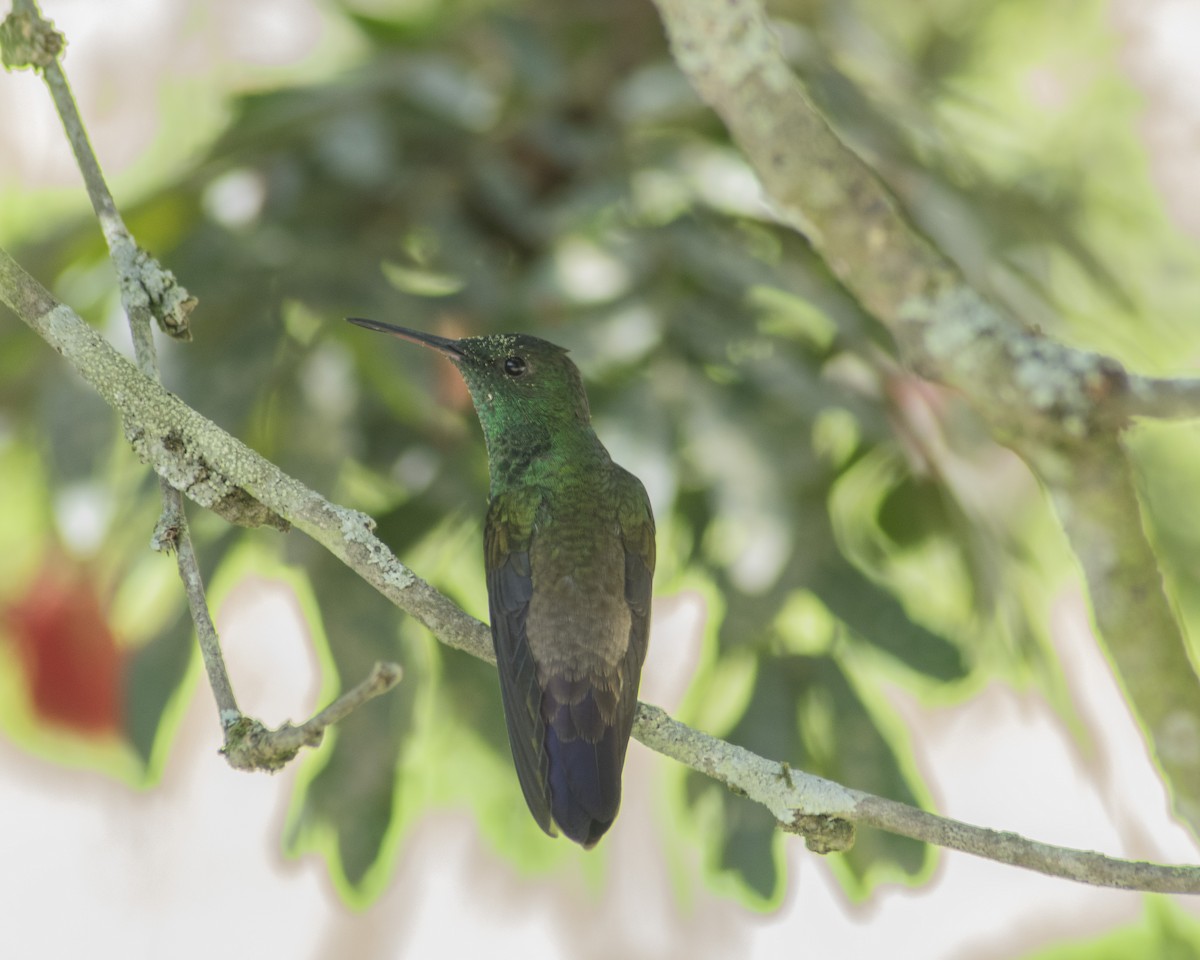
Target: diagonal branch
800, 802
211, 467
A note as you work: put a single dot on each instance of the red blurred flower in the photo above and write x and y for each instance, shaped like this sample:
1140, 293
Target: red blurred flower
71, 659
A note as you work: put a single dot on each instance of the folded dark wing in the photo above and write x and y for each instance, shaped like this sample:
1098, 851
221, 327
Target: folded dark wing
510, 587
637, 535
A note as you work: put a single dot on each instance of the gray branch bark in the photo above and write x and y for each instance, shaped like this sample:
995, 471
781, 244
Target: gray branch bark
150, 293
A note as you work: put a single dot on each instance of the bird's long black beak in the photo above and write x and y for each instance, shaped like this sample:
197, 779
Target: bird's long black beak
443, 345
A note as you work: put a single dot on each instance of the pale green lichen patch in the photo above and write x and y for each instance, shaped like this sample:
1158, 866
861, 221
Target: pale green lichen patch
174, 459
27, 40
1178, 739
823, 834
964, 341
248, 746
358, 532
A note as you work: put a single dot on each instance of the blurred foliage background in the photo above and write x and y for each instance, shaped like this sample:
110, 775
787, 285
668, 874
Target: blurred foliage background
479, 167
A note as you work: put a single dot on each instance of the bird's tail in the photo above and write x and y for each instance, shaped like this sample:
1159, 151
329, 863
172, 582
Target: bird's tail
585, 757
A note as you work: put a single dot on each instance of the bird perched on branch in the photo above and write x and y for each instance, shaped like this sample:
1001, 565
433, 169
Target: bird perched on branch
569, 550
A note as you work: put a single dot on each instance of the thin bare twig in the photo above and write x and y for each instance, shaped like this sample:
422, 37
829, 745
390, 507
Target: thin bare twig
1060, 408
171, 534
149, 293
138, 274
1083, 866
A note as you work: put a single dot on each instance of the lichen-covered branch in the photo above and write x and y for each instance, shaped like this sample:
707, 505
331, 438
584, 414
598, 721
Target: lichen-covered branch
148, 293
251, 746
1060, 408
209, 466
816, 184
1084, 866
801, 803
814, 806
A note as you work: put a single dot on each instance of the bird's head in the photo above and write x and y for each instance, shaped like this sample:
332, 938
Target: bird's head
510, 375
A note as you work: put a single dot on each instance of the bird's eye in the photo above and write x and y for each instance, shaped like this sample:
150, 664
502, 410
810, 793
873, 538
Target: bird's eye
514, 366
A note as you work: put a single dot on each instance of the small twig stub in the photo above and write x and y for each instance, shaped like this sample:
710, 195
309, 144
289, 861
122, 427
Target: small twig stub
249, 745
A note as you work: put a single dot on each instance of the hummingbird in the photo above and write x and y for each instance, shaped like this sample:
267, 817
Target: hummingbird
569, 554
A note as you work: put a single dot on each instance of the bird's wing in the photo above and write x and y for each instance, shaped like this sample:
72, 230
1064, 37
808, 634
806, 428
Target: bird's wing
568, 728
507, 535
636, 521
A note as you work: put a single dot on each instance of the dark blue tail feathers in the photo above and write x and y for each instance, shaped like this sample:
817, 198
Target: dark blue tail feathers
585, 783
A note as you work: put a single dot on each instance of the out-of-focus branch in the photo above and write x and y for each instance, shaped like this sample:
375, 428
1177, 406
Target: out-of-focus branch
1161, 398
816, 184
1060, 408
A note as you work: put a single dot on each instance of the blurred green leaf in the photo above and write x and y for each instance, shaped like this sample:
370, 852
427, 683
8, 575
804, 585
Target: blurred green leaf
1164, 931
912, 511
804, 711
419, 282
153, 674
354, 795
876, 616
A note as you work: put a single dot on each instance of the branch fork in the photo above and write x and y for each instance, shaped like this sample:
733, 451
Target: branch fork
150, 293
